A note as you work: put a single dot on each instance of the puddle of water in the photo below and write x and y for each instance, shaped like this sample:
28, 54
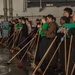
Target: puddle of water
4, 58
4, 70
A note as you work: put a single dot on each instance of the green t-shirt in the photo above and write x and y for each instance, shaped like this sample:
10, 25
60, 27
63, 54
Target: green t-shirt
57, 25
44, 27
69, 25
19, 25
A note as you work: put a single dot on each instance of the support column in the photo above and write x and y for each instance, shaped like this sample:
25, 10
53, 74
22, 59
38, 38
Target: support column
5, 10
10, 9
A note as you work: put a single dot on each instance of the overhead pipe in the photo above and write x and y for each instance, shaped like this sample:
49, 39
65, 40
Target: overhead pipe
25, 4
40, 9
5, 10
10, 9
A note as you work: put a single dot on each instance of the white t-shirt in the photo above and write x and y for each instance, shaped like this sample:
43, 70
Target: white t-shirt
29, 28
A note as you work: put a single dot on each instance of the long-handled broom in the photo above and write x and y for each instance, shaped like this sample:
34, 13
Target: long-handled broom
73, 70
43, 58
5, 43
20, 64
53, 56
17, 47
21, 50
65, 52
35, 52
69, 54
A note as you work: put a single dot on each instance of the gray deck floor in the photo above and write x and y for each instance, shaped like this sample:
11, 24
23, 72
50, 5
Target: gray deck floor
11, 69
14, 70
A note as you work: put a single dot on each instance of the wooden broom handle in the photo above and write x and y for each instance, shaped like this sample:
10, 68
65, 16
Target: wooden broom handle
73, 70
21, 49
2, 40
52, 58
16, 38
43, 58
8, 38
35, 52
36, 48
65, 52
10, 42
24, 40
27, 49
68, 62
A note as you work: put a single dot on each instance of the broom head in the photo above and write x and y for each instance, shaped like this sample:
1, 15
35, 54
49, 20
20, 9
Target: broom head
16, 48
20, 65
11, 51
4, 45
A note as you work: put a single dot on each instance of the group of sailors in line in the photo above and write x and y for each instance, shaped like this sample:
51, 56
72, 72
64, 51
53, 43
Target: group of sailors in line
48, 29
